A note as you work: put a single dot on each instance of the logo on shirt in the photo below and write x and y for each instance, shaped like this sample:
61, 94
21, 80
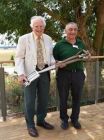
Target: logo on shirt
75, 46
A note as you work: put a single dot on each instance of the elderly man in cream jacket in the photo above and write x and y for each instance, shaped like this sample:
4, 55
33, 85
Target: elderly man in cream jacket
25, 64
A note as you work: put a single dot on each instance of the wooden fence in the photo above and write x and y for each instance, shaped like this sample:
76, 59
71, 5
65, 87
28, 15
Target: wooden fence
2, 88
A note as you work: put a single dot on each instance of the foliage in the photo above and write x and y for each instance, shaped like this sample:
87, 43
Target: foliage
15, 18
15, 15
14, 93
53, 95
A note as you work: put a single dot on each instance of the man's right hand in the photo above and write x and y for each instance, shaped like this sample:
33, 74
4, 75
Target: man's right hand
22, 78
60, 64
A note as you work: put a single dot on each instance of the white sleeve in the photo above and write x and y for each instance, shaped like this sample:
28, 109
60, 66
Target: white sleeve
20, 56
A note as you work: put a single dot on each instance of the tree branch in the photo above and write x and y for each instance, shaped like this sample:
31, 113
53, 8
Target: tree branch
53, 13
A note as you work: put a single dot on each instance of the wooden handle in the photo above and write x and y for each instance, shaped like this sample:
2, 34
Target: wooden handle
97, 57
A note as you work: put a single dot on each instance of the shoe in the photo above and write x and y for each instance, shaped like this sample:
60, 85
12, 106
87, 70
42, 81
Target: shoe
76, 124
64, 125
45, 125
33, 132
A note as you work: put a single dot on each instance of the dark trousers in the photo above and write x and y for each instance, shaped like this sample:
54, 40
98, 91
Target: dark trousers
36, 99
74, 81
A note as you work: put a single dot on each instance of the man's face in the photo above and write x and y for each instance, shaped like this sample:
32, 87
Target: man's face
71, 31
38, 27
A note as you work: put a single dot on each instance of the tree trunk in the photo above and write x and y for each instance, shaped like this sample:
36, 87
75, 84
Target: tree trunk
90, 66
98, 42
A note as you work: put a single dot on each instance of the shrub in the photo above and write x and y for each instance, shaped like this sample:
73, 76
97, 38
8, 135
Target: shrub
14, 93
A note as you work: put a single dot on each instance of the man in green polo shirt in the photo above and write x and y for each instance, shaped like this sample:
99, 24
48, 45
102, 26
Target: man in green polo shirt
69, 76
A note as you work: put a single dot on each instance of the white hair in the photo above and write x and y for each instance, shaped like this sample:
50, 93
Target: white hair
35, 18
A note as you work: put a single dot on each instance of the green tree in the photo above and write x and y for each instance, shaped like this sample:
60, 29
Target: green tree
15, 18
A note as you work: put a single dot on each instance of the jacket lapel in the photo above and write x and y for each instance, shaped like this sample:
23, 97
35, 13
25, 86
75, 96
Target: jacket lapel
32, 45
46, 44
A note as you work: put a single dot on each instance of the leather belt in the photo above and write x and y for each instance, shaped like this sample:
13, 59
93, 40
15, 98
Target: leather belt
71, 70
75, 70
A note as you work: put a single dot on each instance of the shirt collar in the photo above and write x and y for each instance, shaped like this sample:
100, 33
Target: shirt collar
36, 37
77, 40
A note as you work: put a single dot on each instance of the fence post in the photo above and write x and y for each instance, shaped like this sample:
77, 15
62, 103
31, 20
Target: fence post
2, 94
97, 82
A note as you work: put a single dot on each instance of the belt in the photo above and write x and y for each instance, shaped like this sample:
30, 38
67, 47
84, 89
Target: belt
45, 66
75, 70
71, 70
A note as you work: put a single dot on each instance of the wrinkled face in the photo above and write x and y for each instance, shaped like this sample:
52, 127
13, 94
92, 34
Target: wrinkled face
38, 27
71, 31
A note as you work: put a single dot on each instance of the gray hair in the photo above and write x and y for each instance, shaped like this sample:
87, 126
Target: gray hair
35, 18
71, 23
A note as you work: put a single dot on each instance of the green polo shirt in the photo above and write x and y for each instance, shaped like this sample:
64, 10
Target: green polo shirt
63, 49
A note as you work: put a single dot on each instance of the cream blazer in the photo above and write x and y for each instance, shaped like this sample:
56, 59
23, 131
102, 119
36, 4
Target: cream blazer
26, 56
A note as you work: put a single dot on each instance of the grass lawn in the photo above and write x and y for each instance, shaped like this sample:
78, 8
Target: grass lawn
6, 54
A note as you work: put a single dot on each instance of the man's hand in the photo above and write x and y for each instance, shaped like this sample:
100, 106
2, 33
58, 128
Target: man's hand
60, 64
88, 56
22, 78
